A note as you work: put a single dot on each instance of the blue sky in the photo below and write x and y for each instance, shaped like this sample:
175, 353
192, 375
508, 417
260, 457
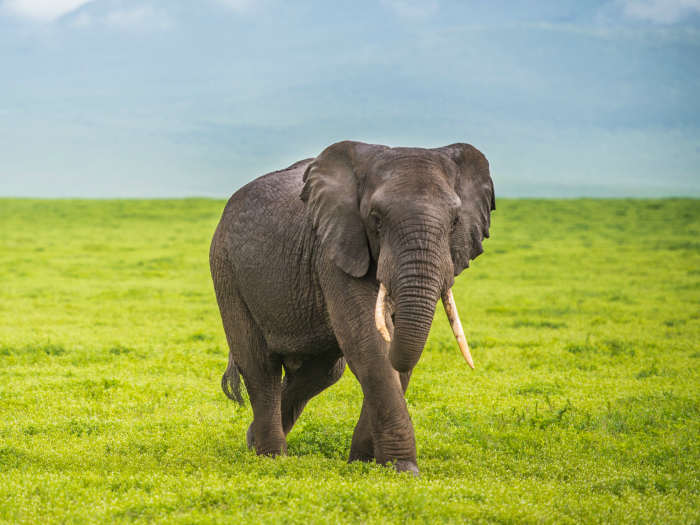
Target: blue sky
122, 98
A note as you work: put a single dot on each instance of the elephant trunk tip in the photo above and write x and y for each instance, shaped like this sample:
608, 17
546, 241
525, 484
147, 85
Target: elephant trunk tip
399, 364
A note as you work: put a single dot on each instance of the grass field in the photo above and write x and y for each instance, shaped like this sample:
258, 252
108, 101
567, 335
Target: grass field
583, 315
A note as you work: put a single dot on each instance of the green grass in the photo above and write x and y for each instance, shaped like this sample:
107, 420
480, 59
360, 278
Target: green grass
583, 315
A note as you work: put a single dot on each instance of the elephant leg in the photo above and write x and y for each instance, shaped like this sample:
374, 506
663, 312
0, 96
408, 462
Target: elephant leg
309, 380
350, 304
391, 427
362, 447
264, 385
261, 371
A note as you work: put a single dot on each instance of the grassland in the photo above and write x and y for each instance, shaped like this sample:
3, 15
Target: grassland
583, 315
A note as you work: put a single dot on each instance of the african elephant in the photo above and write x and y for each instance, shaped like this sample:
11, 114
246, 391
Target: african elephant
342, 259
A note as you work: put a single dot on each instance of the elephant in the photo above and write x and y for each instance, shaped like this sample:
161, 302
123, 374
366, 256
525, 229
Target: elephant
341, 259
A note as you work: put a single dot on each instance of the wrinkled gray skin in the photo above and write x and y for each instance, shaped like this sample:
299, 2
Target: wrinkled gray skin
297, 259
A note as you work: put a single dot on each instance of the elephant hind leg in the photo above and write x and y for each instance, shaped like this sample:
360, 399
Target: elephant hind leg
264, 387
262, 375
362, 446
236, 321
307, 381
249, 356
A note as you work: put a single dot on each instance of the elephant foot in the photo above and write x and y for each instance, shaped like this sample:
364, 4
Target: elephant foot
271, 449
405, 465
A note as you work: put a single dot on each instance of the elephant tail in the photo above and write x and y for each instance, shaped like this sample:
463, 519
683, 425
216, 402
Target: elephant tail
231, 382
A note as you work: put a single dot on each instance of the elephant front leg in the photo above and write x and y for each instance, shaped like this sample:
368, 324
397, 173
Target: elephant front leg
362, 447
385, 414
351, 308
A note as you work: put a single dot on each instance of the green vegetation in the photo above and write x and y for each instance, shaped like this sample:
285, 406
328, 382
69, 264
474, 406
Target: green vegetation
584, 320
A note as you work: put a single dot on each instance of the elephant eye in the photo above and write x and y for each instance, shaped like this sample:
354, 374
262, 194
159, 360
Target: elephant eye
455, 222
376, 220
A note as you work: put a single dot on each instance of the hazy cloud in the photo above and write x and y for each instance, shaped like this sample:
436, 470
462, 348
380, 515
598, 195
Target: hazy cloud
661, 11
120, 16
41, 9
412, 8
237, 5
142, 17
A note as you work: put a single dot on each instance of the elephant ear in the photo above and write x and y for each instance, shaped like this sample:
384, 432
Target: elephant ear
474, 186
330, 192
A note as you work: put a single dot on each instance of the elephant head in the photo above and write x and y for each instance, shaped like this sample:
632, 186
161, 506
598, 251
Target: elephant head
415, 216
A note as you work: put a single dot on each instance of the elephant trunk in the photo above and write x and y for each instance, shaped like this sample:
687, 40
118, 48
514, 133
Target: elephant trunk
411, 327
416, 288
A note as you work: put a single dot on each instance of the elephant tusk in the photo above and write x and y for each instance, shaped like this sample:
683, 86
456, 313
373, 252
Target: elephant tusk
448, 301
379, 317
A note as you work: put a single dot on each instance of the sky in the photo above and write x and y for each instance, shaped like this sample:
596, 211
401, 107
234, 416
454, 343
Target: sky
167, 98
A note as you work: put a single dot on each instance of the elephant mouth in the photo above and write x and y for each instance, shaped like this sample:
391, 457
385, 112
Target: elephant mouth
448, 302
